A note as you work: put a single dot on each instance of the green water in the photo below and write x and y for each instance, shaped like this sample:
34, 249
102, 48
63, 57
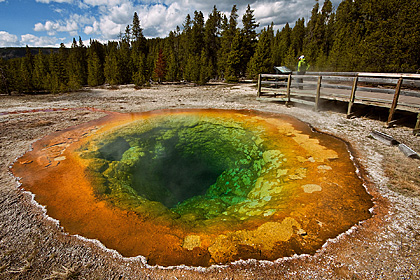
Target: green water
187, 163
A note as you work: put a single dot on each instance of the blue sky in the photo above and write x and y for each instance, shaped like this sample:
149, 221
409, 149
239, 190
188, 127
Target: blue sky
39, 23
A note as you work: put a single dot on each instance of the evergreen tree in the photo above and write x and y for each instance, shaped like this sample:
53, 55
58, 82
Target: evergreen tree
192, 68
225, 42
136, 30
95, 69
290, 59
391, 35
4, 79
212, 41
140, 75
233, 63
206, 68
95, 64
229, 28
233, 21
40, 72
57, 76
160, 67
25, 72
76, 66
261, 60
283, 45
298, 36
172, 49
124, 62
195, 41
197, 34
346, 53
249, 37
316, 46
111, 67
184, 49
62, 72
138, 39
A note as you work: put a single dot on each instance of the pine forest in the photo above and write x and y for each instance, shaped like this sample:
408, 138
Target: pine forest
358, 35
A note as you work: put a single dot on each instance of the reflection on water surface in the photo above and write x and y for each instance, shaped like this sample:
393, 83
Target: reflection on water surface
197, 187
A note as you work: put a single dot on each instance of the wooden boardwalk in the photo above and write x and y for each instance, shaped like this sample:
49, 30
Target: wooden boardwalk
393, 91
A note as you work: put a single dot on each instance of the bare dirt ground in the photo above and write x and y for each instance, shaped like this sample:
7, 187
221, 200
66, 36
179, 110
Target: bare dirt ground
32, 246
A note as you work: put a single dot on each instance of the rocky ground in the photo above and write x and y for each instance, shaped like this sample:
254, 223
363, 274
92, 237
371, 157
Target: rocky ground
32, 246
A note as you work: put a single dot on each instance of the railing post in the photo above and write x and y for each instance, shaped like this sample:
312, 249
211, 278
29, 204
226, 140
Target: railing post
352, 96
259, 85
416, 130
395, 101
289, 82
318, 93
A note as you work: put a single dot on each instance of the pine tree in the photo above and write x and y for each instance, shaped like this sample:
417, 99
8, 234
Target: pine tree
160, 67
261, 60
172, 51
138, 39
95, 64
212, 40
95, 69
137, 31
233, 63
4, 79
140, 75
54, 78
225, 42
233, 21
40, 71
62, 73
284, 43
391, 35
76, 66
316, 46
206, 68
192, 68
184, 48
298, 36
249, 37
290, 59
229, 28
194, 38
25, 72
197, 34
111, 67
346, 53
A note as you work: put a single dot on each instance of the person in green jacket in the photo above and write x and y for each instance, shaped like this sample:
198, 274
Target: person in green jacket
301, 69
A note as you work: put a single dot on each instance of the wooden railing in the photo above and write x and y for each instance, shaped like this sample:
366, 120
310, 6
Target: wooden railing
393, 91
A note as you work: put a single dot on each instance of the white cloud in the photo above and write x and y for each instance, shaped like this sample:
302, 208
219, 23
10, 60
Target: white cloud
71, 25
158, 20
281, 12
105, 2
11, 40
57, 1
34, 41
7, 39
94, 29
111, 21
121, 14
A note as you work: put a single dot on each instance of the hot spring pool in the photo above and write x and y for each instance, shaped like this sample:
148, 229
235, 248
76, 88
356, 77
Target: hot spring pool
197, 187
